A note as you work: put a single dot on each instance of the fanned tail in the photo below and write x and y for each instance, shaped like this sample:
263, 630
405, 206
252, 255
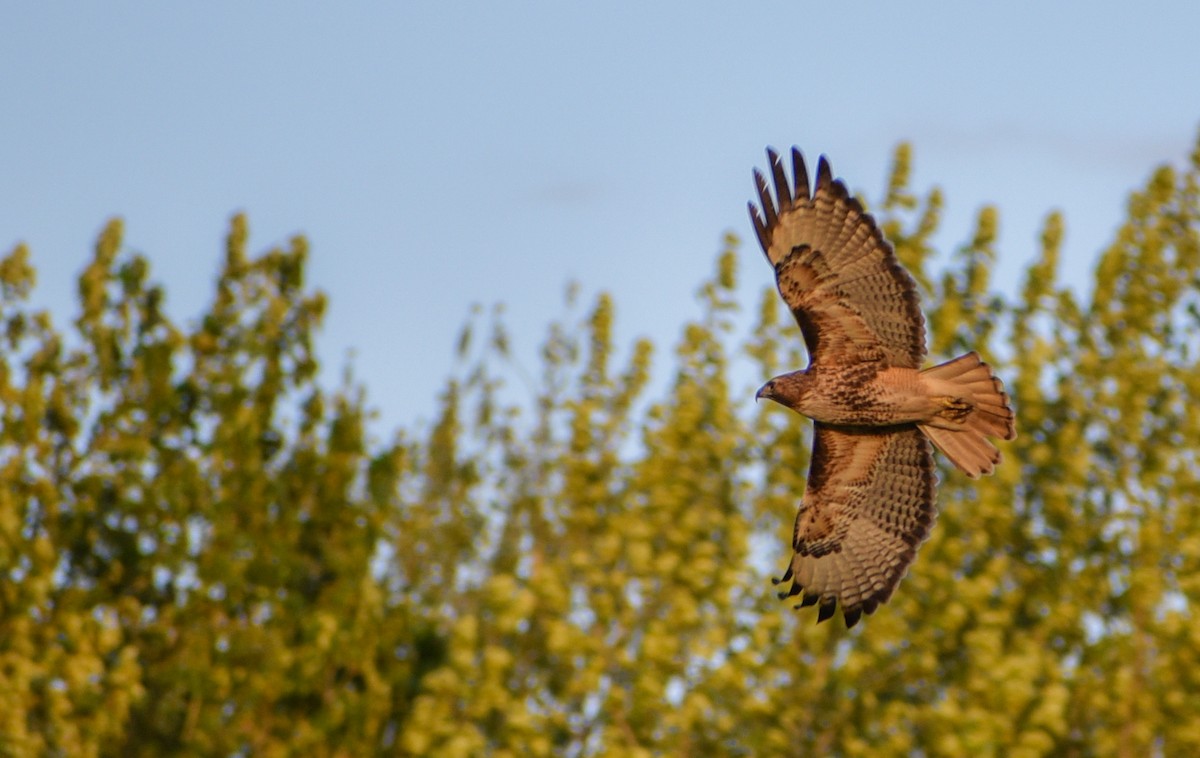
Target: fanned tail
964, 440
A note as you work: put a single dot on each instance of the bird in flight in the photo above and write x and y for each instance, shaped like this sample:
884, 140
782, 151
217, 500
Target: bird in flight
870, 497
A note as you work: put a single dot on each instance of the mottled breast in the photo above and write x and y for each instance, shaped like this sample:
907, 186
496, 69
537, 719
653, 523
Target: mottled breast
865, 394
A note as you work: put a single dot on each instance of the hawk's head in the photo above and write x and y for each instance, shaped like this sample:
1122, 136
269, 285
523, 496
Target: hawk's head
789, 390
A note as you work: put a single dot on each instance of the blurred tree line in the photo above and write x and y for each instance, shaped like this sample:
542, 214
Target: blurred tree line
203, 553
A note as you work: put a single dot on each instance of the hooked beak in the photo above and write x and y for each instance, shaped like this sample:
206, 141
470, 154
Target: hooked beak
767, 391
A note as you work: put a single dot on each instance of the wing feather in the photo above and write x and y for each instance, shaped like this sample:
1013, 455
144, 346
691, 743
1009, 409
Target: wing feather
780, 177
869, 505
836, 271
800, 175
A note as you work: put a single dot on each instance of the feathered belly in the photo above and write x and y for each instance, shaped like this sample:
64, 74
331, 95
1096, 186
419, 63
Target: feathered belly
855, 397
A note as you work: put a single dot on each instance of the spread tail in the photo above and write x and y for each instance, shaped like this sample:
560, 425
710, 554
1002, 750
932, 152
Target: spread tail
976, 408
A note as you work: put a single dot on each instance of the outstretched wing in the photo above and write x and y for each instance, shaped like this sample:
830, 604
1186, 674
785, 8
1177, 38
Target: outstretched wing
868, 506
840, 277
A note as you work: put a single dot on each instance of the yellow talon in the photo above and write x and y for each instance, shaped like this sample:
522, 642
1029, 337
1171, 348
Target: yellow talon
955, 409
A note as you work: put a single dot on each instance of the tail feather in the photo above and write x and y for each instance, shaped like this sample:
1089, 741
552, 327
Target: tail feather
969, 451
965, 441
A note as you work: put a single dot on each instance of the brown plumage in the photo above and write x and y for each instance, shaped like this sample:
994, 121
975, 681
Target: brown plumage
870, 498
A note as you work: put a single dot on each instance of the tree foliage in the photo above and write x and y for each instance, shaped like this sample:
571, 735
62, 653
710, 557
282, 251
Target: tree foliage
204, 554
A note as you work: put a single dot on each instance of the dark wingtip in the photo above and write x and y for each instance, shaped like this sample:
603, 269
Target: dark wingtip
783, 191
760, 228
800, 176
824, 174
852, 615
772, 155
825, 611
764, 197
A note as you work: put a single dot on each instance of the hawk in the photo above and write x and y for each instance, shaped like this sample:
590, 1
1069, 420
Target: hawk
870, 498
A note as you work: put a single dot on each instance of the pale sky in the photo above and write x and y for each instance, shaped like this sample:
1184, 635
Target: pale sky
442, 154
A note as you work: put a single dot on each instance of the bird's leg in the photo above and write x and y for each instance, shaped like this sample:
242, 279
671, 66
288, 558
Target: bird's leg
954, 408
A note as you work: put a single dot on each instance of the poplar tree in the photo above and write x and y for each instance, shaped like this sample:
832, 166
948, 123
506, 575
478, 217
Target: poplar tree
204, 553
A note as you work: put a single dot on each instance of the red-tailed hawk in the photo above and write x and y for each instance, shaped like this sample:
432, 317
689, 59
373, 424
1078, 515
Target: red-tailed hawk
869, 501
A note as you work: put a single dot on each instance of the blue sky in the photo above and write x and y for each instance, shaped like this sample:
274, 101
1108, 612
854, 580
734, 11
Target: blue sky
444, 154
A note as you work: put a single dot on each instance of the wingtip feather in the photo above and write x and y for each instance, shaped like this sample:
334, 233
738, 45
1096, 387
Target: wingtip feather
760, 227
783, 192
764, 196
852, 615
824, 174
800, 176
